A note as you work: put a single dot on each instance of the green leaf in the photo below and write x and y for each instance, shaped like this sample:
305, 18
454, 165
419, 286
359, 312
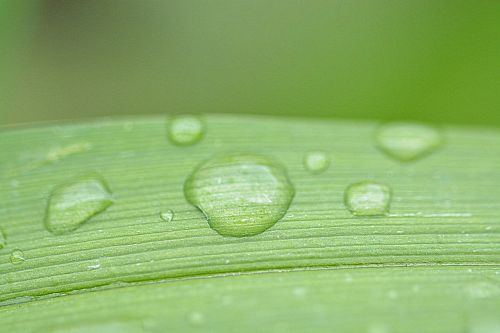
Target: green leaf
431, 264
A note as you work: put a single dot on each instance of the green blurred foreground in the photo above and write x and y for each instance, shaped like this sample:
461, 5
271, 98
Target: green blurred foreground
426, 60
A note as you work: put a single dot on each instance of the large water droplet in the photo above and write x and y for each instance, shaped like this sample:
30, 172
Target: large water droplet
408, 141
74, 203
240, 194
185, 129
316, 161
368, 199
167, 215
3, 240
17, 257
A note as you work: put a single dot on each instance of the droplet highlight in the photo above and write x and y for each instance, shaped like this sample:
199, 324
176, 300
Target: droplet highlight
185, 130
368, 199
167, 215
316, 161
240, 194
74, 203
17, 257
408, 141
95, 265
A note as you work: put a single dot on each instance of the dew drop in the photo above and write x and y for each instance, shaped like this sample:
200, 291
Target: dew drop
368, 199
94, 266
408, 141
17, 257
240, 194
74, 203
167, 215
316, 161
185, 130
3, 240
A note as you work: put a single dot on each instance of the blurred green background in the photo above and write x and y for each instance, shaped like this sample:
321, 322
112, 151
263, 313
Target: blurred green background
430, 60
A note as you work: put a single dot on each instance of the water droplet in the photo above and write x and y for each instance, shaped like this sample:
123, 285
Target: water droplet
368, 199
408, 141
185, 129
73, 204
95, 265
167, 215
17, 257
3, 240
316, 161
240, 194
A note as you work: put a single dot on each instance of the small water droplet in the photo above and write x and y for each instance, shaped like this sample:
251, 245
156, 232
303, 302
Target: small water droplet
3, 240
240, 194
408, 141
17, 256
316, 161
74, 203
167, 215
185, 130
368, 199
94, 266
